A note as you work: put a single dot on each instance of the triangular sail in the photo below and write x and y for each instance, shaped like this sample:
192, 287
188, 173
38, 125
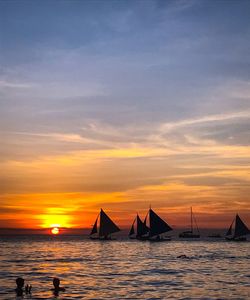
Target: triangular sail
107, 226
94, 229
132, 230
230, 230
142, 228
157, 225
240, 228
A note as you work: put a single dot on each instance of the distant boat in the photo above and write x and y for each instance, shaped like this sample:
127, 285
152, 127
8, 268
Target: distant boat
215, 236
106, 227
157, 227
189, 234
141, 230
240, 231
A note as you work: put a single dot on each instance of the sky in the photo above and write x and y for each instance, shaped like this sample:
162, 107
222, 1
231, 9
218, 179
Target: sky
122, 105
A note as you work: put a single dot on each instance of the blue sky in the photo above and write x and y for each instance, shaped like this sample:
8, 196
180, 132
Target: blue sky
93, 81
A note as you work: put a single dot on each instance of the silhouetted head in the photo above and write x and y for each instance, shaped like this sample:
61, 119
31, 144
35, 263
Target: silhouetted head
56, 282
20, 282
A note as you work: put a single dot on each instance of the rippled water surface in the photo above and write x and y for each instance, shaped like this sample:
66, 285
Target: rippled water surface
126, 269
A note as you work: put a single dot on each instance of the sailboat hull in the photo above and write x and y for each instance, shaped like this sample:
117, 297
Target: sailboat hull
109, 238
162, 239
189, 236
215, 236
142, 238
236, 239
93, 238
154, 239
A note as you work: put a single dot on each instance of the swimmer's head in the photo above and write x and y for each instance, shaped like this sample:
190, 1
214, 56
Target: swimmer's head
20, 282
56, 282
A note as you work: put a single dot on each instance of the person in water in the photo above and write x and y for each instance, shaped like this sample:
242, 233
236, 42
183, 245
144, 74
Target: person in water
183, 256
28, 289
20, 285
57, 288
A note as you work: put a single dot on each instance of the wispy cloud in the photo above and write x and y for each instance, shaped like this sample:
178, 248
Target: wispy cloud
166, 127
15, 85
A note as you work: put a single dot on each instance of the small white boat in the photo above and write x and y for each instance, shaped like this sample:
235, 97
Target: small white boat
190, 234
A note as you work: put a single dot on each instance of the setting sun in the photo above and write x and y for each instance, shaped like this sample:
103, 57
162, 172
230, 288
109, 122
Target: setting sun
55, 230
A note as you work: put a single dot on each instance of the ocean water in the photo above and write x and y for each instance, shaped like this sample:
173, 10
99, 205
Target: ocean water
125, 269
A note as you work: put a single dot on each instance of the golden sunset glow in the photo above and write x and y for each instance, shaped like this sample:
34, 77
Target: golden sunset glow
55, 220
124, 182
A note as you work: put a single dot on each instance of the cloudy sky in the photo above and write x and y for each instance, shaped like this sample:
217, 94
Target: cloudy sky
123, 104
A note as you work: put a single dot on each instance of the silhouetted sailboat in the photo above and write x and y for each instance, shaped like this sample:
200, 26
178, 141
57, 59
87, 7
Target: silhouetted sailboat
240, 230
190, 233
141, 229
215, 236
106, 227
157, 227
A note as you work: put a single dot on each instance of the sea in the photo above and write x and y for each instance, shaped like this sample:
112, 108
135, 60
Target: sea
125, 269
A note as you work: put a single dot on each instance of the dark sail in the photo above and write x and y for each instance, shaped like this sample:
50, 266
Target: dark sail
142, 228
94, 229
240, 228
229, 232
157, 225
107, 226
132, 230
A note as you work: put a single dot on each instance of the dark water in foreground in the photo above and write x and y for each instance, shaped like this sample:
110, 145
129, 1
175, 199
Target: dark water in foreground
126, 269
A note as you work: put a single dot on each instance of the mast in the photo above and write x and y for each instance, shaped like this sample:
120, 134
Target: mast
191, 219
196, 224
